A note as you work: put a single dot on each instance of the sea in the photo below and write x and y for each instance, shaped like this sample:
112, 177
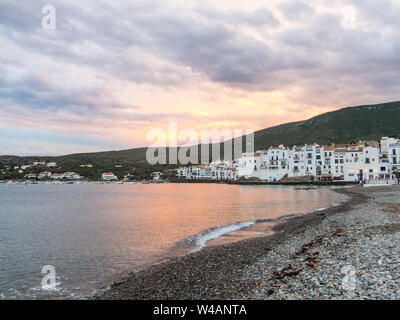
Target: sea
88, 235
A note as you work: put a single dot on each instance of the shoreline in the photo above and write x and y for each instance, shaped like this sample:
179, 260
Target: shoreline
234, 182
218, 272
338, 183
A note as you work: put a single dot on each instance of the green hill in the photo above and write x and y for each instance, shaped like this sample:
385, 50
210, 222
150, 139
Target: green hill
369, 122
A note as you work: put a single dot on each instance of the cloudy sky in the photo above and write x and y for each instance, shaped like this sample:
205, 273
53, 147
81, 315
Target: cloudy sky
113, 70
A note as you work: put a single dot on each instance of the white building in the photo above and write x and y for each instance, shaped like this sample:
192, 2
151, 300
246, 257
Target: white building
86, 165
52, 164
45, 174
39, 163
394, 156
360, 163
30, 176
249, 164
71, 176
218, 170
108, 176
385, 142
340, 162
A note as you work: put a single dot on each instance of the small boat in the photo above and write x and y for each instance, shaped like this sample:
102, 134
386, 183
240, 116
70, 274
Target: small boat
132, 182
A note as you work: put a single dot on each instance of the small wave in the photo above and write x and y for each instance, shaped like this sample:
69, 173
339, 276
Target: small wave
201, 239
48, 288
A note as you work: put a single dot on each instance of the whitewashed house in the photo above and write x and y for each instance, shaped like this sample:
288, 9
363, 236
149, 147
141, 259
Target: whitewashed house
108, 176
297, 167
71, 176
217, 170
249, 165
39, 163
327, 162
394, 157
30, 176
275, 163
43, 175
86, 166
51, 164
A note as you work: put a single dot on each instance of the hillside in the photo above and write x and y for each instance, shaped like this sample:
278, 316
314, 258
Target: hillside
345, 125
367, 122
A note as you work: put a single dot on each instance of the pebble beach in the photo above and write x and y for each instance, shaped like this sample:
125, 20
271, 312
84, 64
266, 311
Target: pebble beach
350, 251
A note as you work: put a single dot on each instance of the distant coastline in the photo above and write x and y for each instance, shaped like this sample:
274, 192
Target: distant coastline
301, 183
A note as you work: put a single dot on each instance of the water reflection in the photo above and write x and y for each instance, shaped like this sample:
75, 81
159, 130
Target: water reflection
93, 233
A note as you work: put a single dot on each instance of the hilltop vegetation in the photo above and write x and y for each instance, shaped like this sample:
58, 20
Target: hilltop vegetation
369, 122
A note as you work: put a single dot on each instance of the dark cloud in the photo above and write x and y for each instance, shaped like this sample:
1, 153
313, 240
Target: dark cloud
149, 42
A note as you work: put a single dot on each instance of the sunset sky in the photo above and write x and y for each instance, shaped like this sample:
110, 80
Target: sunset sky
113, 70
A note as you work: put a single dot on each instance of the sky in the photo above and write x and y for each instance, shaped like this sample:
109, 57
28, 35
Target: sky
108, 72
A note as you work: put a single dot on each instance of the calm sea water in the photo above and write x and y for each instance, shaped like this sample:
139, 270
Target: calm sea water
93, 234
